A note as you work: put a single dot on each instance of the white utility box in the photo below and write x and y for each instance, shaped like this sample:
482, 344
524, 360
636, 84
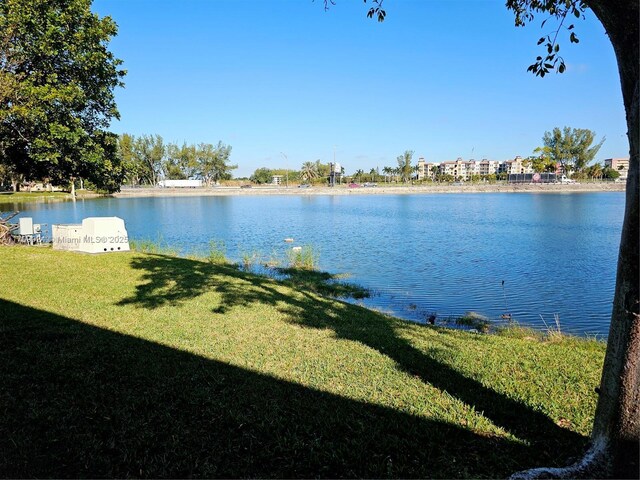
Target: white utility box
66, 237
95, 235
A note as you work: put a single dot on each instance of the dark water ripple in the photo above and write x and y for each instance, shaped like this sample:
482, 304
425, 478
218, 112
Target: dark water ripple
421, 253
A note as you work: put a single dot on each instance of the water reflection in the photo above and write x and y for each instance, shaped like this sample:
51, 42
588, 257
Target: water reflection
421, 253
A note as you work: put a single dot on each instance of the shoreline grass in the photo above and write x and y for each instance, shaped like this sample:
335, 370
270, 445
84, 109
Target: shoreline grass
26, 197
152, 365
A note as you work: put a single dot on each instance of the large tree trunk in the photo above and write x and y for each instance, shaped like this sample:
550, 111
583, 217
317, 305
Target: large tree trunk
616, 431
617, 420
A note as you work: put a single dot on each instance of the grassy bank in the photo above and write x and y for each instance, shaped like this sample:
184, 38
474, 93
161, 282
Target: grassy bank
10, 197
150, 365
23, 197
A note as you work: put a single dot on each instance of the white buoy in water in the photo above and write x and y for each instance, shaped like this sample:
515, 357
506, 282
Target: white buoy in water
288, 240
296, 249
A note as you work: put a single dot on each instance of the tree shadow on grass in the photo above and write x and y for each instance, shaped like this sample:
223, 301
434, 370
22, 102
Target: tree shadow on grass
169, 280
80, 401
172, 280
322, 283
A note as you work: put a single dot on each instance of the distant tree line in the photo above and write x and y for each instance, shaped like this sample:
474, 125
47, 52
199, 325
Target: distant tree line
147, 159
264, 175
310, 172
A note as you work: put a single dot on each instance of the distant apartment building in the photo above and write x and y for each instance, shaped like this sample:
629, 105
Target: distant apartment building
465, 169
517, 166
620, 165
426, 169
422, 173
489, 167
462, 170
473, 168
277, 179
456, 168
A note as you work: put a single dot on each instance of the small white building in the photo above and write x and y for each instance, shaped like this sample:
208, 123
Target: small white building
180, 183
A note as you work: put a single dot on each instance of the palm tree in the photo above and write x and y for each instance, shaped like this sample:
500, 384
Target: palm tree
372, 172
309, 171
359, 174
415, 169
387, 172
434, 172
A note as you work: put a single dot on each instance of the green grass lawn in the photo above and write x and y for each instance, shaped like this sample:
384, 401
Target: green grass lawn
148, 365
23, 197
32, 196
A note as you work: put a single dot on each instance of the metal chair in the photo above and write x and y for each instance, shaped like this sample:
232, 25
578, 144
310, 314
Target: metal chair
28, 232
37, 233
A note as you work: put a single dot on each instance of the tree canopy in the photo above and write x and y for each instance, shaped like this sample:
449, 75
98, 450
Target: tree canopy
147, 159
570, 147
57, 81
404, 165
309, 171
213, 162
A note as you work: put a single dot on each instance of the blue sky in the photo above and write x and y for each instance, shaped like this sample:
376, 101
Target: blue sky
444, 78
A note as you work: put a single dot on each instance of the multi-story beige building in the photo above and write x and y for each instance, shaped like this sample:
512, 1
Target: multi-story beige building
517, 166
620, 165
425, 169
456, 168
473, 168
464, 170
489, 167
421, 168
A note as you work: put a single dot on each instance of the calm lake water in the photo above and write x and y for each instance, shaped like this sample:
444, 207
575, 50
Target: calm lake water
419, 254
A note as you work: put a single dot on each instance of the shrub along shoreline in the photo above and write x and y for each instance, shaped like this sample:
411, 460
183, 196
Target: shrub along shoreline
146, 364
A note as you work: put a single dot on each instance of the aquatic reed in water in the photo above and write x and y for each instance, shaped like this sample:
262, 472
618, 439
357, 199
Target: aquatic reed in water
217, 252
303, 258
